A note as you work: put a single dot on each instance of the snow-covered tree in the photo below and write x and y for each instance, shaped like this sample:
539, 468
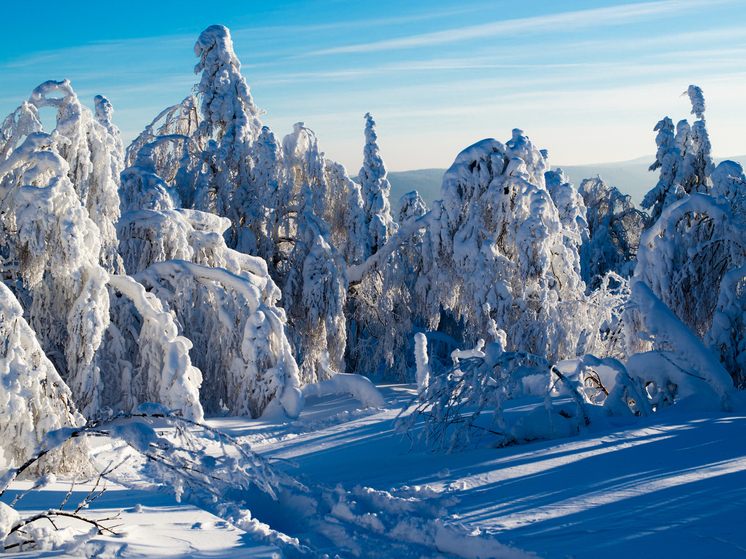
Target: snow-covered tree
684, 160
395, 303
729, 181
375, 190
230, 119
48, 233
572, 213
237, 331
500, 260
263, 209
94, 154
614, 229
16, 126
684, 256
171, 147
153, 364
315, 295
34, 399
346, 215
668, 159
727, 336
698, 164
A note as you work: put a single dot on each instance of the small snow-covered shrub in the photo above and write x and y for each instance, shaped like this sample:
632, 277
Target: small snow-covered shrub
451, 405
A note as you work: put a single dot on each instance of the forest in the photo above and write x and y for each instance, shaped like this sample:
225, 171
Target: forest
215, 270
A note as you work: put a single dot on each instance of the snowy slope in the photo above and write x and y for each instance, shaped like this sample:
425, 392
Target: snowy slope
670, 485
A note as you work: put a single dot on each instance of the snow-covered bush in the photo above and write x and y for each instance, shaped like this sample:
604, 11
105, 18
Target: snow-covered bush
452, 403
188, 459
679, 366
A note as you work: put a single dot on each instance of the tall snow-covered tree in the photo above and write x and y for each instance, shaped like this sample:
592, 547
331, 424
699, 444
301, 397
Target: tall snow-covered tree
375, 190
499, 256
230, 119
94, 154
684, 160
668, 159
48, 233
398, 305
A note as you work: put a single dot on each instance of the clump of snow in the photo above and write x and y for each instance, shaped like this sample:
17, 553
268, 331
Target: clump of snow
8, 518
356, 386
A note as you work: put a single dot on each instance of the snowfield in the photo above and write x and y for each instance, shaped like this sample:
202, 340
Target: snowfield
672, 485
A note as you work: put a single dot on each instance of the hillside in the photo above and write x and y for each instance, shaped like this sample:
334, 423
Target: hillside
631, 177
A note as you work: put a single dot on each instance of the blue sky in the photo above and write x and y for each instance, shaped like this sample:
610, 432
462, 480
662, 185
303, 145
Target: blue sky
585, 80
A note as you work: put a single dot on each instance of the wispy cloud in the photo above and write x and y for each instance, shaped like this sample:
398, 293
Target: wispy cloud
566, 21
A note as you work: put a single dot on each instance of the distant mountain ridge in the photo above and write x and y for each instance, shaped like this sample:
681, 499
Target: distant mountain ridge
631, 177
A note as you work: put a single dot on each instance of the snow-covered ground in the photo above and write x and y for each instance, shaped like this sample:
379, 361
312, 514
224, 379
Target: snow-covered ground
672, 485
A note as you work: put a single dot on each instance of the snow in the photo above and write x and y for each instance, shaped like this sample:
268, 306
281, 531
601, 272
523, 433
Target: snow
666, 485
356, 386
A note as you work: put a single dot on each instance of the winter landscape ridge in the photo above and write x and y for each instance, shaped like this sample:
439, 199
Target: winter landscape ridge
216, 343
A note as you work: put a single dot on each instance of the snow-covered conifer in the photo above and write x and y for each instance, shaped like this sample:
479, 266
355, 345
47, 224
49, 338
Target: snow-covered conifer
230, 120
410, 205
375, 190
668, 159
